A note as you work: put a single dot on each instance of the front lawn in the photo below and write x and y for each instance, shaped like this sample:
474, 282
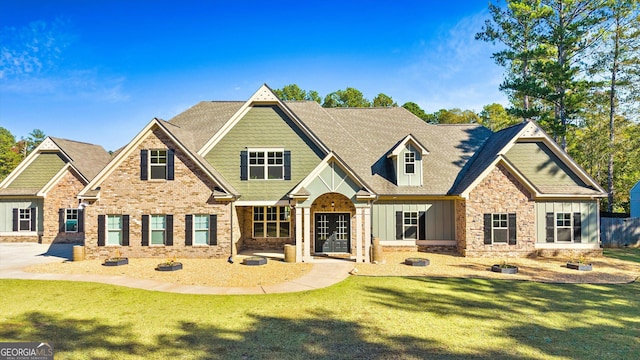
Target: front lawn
362, 317
626, 254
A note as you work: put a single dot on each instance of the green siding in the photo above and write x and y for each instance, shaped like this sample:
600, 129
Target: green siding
264, 127
332, 179
540, 165
589, 219
43, 168
440, 220
6, 212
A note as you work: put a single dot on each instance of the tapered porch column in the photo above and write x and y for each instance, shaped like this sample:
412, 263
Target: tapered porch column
307, 235
359, 234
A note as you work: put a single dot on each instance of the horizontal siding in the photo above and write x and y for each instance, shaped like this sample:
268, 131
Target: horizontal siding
588, 209
440, 221
540, 165
6, 212
264, 127
44, 167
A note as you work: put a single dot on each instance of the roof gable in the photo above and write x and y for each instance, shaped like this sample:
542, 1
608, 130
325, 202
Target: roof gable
409, 139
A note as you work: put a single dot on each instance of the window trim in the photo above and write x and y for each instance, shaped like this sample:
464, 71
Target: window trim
511, 229
164, 229
24, 215
195, 229
505, 228
67, 212
565, 227
406, 226
265, 156
151, 165
280, 212
119, 231
409, 159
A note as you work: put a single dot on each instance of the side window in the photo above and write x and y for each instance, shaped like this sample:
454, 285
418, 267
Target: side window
500, 228
71, 220
24, 220
410, 224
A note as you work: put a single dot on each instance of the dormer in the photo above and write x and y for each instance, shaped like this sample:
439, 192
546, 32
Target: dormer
407, 161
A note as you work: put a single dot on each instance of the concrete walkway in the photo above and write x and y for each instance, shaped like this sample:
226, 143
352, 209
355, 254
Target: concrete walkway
14, 257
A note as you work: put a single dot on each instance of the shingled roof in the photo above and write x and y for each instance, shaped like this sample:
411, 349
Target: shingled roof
87, 158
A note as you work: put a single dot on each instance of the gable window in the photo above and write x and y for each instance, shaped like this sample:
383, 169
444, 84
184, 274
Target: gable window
157, 164
410, 225
271, 221
114, 230
71, 220
500, 228
268, 164
409, 163
564, 227
24, 220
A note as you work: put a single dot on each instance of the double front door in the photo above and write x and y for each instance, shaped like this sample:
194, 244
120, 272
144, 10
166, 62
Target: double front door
332, 232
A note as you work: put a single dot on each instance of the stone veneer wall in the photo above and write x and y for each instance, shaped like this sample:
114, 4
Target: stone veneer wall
499, 192
63, 195
122, 192
461, 225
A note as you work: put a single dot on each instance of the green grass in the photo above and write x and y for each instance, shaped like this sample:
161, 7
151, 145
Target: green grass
627, 254
362, 317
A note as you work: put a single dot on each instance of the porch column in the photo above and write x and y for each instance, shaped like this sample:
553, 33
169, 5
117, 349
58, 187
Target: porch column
307, 235
367, 234
359, 235
299, 241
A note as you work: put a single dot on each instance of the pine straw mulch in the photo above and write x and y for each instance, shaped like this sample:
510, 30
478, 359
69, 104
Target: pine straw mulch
217, 272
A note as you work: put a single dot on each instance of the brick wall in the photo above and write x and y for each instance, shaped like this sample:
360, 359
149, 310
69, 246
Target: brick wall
499, 192
122, 192
63, 195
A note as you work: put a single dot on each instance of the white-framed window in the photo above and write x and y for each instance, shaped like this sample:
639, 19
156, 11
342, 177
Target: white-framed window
409, 163
200, 229
266, 164
24, 220
500, 228
71, 220
410, 225
158, 229
158, 164
114, 230
271, 221
564, 227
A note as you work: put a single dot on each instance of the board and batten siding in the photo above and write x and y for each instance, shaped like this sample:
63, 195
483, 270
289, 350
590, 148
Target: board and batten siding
589, 219
6, 212
264, 127
440, 218
39, 172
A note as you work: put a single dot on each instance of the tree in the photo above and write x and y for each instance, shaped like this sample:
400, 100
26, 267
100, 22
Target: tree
495, 117
294, 92
349, 97
383, 100
33, 140
415, 109
9, 154
454, 116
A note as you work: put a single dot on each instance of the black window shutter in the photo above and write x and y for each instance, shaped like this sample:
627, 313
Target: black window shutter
125, 230
550, 228
144, 158
577, 227
170, 164
80, 220
244, 165
399, 225
487, 229
422, 224
16, 219
101, 230
213, 229
287, 165
169, 230
34, 219
61, 227
188, 230
512, 229
145, 230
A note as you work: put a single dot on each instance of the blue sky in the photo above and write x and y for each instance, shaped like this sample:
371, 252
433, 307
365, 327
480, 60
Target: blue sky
99, 71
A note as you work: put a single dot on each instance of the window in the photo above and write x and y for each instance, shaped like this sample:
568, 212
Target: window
266, 165
201, 229
410, 228
271, 221
24, 219
500, 228
114, 230
158, 164
158, 227
564, 227
409, 162
71, 220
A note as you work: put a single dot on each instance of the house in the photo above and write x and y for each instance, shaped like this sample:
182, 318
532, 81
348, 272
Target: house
634, 195
39, 199
258, 174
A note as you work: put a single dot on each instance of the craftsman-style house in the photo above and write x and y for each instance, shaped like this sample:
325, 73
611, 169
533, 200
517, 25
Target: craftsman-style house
261, 173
